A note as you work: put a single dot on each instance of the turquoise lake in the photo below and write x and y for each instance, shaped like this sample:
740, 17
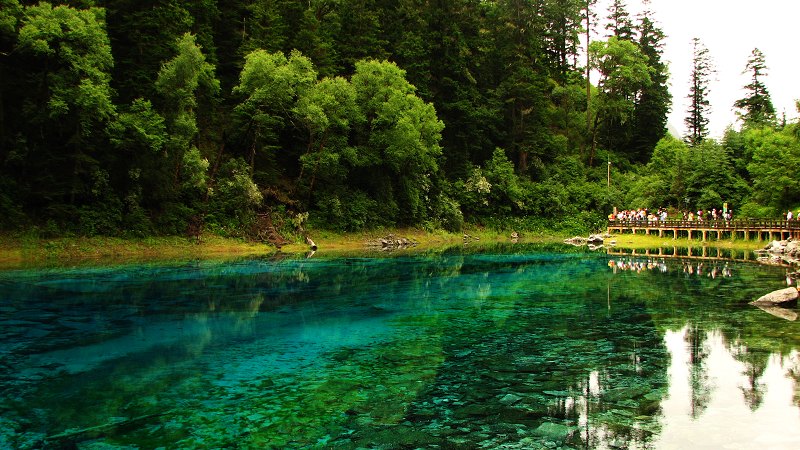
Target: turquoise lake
517, 347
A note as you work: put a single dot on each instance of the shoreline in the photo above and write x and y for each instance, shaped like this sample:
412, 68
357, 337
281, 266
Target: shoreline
19, 251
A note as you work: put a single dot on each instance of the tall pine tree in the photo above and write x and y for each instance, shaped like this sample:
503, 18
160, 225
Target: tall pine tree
699, 107
654, 101
619, 21
756, 107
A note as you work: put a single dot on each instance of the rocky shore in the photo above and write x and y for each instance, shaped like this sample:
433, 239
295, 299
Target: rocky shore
780, 252
594, 241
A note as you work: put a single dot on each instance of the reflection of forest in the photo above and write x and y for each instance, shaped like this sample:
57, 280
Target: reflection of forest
710, 373
708, 300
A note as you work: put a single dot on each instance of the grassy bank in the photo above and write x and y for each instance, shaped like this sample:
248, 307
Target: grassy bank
25, 251
332, 242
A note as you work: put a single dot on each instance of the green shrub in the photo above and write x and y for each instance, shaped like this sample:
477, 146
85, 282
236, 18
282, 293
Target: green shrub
752, 210
350, 211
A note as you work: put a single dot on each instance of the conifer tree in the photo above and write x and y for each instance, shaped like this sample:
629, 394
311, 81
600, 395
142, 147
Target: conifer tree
756, 107
654, 100
699, 107
619, 21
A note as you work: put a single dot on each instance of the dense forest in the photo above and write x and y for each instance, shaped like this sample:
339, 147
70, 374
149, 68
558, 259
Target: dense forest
142, 117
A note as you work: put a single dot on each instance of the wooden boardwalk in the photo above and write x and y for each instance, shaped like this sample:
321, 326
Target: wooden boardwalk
695, 253
748, 229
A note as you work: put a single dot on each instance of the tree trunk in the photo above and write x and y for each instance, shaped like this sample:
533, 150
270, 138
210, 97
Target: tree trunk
253, 158
316, 165
588, 81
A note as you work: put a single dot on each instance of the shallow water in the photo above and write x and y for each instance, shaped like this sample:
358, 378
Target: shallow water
516, 347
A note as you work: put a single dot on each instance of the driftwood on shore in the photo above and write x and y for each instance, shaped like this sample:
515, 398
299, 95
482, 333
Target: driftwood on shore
311, 244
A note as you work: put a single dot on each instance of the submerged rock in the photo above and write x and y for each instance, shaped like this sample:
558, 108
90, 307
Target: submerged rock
781, 297
510, 399
554, 431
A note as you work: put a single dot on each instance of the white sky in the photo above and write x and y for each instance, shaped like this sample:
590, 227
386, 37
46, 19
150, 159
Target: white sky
730, 29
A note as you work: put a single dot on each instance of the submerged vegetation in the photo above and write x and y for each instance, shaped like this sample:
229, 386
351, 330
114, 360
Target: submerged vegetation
518, 347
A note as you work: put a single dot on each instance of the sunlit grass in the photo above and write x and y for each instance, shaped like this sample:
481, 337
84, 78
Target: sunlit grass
17, 251
27, 251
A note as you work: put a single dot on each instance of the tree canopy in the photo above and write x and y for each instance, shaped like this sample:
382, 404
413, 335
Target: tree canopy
159, 117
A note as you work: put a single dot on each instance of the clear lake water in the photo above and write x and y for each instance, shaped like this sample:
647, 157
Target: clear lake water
517, 347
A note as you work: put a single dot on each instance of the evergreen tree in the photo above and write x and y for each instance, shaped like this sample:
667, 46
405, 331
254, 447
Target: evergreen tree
619, 21
699, 107
623, 73
66, 103
360, 36
756, 107
654, 100
315, 33
466, 65
143, 35
524, 88
590, 16
561, 36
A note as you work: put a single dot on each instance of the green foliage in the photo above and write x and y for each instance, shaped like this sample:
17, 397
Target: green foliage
447, 214
507, 195
624, 73
10, 12
12, 215
776, 160
181, 81
270, 85
139, 129
75, 42
399, 140
756, 108
349, 211
104, 215
483, 116
756, 211
61, 101
235, 199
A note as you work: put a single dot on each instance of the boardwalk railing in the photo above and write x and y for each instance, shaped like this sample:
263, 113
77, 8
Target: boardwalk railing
746, 228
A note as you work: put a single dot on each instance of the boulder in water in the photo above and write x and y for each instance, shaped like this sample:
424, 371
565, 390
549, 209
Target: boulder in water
781, 297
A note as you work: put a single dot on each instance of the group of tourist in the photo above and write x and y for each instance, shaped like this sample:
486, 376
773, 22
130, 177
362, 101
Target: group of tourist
639, 215
645, 215
689, 268
714, 214
790, 216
